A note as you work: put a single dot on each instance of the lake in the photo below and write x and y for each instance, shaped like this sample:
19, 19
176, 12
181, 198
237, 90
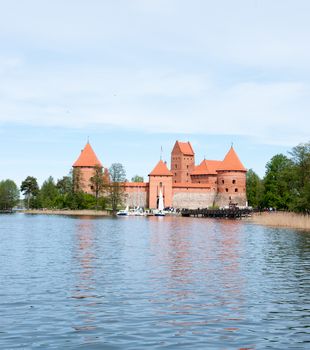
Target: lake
152, 283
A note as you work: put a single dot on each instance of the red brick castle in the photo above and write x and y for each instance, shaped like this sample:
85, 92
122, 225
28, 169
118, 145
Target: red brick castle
185, 185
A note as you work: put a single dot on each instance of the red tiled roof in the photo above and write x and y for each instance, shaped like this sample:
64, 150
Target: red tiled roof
232, 162
186, 148
87, 157
207, 167
161, 169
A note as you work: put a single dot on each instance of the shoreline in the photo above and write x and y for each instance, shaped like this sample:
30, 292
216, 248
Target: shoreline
272, 219
79, 212
282, 220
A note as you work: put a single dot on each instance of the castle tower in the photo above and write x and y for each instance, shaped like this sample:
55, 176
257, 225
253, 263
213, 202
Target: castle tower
231, 180
85, 164
160, 179
182, 161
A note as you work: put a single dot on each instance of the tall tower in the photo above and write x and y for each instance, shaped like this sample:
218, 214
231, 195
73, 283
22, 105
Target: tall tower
182, 161
231, 180
85, 165
160, 179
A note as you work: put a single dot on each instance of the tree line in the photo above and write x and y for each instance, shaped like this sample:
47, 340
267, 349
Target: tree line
68, 192
286, 184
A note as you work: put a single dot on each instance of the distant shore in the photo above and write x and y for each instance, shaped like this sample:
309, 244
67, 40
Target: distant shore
275, 219
282, 219
67, 212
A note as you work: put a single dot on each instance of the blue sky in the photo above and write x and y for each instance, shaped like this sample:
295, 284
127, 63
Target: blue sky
135, 75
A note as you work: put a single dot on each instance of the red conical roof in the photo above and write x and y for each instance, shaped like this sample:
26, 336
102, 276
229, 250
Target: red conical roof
160, 170
87, 157
232, 162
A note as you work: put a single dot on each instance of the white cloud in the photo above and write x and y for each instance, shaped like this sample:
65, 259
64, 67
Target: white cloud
225, 67
158, 101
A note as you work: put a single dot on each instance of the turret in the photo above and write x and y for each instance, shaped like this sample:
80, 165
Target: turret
231, 180
84, 166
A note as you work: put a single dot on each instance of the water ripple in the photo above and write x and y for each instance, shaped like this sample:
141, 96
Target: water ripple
176, 283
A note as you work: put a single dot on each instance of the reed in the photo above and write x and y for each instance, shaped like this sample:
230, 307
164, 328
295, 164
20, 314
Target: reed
84, 212
283, 219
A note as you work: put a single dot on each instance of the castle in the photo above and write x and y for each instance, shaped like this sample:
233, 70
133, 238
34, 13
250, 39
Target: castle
185, 185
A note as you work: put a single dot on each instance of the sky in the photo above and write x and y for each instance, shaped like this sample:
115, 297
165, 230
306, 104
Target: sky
136, 75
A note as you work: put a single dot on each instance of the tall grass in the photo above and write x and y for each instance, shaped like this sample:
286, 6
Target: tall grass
283, 219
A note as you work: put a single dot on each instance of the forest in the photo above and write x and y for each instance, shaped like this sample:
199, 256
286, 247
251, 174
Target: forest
286, 183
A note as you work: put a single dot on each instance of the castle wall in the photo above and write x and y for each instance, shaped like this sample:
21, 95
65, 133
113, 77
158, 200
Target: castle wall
193, 196
136, 194
223, 199
210, 179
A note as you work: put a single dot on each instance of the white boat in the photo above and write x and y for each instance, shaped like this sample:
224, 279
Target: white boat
124, 212
159, 213
139, 212
160, 210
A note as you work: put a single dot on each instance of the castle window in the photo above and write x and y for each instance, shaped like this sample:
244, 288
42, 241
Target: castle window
175, 174
186, 174
175, 165
226, 189
233, 181
236, 189
91, 187
222, 181
160, 184
187, 166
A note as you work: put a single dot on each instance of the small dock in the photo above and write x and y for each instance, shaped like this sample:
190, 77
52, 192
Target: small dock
230, 213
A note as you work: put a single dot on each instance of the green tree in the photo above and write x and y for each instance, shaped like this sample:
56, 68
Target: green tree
97, 182
278, 182
301, 160
30, 189
137, 178
115, 189
77, 180
65, 185
48, 193
9, 195
254, 189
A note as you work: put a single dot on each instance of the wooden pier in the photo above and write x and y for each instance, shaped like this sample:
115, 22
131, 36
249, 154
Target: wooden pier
230, 213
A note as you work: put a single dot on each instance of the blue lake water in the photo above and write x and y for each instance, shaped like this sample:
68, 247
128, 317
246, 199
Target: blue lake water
152, 283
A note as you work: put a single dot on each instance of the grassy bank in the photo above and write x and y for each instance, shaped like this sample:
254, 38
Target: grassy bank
283, 219
68, 212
